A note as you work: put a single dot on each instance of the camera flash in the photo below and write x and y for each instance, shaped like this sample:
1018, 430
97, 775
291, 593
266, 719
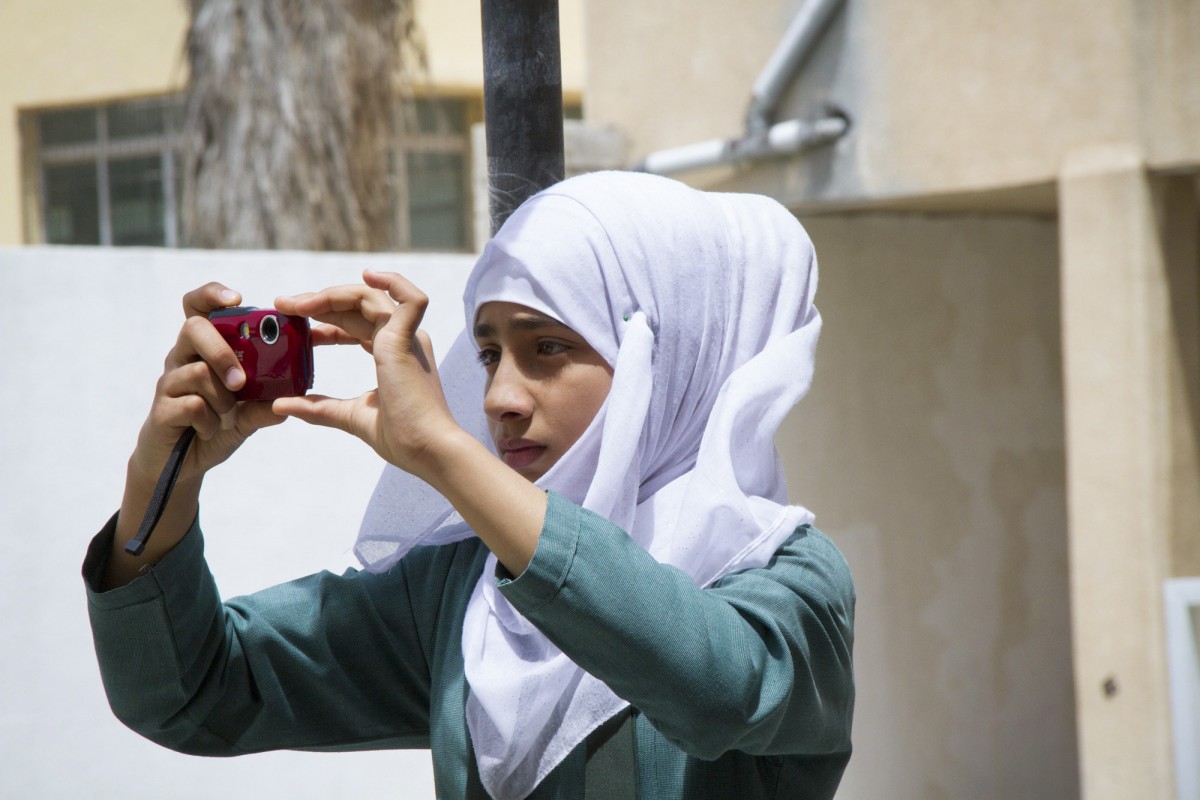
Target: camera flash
244, 330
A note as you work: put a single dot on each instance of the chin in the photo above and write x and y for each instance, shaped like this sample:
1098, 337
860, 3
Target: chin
531, 475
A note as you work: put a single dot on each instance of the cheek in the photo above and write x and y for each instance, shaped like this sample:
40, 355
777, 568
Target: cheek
584, 401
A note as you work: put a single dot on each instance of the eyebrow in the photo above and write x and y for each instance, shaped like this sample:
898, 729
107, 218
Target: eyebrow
520, 322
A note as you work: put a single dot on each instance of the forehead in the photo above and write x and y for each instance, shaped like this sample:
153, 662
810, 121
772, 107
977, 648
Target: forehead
496, 317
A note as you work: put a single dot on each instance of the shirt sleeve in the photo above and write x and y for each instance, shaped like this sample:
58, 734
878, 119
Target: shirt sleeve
326, 662
760, 662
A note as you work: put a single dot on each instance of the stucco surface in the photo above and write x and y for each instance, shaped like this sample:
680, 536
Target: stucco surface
88, 329
944, 98
931, 449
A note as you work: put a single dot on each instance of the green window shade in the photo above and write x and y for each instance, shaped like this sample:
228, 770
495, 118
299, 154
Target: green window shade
72, 205
133, 120
136, 192
436, 198
69, 126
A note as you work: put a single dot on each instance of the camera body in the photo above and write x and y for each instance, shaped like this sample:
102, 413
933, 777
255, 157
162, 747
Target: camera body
275, 350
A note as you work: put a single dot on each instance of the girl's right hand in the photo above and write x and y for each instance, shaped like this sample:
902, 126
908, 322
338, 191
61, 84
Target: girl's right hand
196, 390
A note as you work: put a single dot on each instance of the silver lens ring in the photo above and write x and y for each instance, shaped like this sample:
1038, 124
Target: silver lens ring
268, 329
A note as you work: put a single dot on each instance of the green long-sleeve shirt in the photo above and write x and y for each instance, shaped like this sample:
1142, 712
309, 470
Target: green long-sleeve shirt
741, 690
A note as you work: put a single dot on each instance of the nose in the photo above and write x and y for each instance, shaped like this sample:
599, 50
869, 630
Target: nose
507, 397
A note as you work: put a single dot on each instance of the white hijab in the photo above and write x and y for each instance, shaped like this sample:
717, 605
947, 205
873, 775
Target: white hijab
702, 303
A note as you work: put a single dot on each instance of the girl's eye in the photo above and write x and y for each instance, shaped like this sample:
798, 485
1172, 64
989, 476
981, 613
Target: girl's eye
487, 358
551, 348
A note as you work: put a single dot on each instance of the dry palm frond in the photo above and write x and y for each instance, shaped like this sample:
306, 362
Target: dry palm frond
290, 121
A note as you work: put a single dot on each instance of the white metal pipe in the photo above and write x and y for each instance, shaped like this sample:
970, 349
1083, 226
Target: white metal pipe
802, 34
689, 156
783, 138
762, 138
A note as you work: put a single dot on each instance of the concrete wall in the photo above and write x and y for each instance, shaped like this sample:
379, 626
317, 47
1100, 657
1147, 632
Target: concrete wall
455, 42
81, 53
944, 98
76, 51
85, 333
1131, 312
931, 449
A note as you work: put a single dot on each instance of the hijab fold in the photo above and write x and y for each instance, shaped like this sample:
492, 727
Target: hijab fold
703, 305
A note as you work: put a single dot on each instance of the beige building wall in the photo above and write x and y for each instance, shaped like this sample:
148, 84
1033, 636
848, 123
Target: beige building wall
1011, 505
944, 98
80, 52
1129, 265
76, 51
931, 450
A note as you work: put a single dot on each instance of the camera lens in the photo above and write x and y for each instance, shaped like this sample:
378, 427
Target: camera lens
268, 328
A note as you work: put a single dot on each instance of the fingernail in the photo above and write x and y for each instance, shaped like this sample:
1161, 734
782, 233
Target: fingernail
228, 296
234, 378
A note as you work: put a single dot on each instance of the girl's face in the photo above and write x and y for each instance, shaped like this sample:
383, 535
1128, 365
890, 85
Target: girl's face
544, 385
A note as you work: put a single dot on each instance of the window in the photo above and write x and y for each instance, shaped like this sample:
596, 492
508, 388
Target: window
108, 174
437, 173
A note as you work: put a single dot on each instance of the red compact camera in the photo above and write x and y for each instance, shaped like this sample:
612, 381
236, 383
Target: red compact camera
275, 350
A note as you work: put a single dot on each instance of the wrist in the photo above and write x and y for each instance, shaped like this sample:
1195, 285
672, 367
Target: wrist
141, 480
445, 458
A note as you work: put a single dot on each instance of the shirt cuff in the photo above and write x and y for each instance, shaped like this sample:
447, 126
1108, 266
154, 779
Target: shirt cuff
552, 559
147, 585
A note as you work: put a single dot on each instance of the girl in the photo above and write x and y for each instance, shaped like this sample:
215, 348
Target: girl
591, 584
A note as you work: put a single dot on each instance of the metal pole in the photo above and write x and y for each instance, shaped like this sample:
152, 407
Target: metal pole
522, 101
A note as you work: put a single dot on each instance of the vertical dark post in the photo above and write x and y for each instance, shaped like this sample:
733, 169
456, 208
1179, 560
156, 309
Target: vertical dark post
522, 101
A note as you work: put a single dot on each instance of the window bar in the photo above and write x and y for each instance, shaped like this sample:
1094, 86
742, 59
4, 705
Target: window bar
44, 203
172, 217
105, 206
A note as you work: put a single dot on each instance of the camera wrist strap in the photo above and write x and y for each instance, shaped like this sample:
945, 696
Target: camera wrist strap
162, 493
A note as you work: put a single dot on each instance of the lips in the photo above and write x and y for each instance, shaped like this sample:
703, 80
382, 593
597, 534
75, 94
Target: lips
519, 453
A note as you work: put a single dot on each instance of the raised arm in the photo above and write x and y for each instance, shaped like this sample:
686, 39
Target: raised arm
406, 420
760, 662
200, 375
322, 662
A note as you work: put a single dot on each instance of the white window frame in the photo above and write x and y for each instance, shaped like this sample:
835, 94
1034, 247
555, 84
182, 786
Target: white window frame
99, 152
1182, 598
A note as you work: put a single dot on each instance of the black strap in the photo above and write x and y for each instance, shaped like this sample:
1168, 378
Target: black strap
610, 768
162, 493
611, 772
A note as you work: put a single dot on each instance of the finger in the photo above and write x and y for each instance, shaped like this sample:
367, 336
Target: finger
287, 303
412, 300
355, 308
396, 338
198, 378
331, 334
189, 411
208, 298
346, 297
199, 339
329, 412
255, 416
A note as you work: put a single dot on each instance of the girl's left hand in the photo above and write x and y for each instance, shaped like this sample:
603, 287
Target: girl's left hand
406, 419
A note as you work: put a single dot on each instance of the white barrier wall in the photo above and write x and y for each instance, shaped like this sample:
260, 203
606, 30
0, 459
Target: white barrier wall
84, 334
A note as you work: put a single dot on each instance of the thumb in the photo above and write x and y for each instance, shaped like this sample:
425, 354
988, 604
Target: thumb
255, 416
316, 409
